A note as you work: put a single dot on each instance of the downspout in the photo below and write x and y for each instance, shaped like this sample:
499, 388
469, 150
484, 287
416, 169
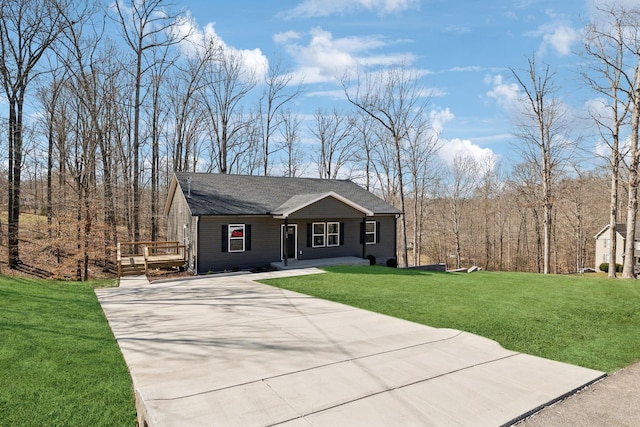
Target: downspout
286, 241
395, 233
194, 245
364, 237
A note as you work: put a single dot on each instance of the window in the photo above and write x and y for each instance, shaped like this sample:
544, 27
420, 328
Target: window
637, 245
370, 233
333, 234
236, 237
607, 242
318, 234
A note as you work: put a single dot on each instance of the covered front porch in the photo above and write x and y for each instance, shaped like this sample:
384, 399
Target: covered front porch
322, 262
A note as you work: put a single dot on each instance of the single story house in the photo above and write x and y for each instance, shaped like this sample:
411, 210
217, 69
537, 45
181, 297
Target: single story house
240, 222
603, 243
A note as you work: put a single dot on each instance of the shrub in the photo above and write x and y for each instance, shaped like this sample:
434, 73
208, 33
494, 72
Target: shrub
605, 267
372, 259
392, 262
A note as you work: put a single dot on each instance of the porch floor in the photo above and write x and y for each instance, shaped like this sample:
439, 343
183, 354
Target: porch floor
323, 262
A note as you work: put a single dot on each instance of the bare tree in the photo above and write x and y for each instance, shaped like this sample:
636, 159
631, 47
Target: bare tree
28, 29
146, 26
463, 172
158, 76
290, 130
487, 186
395, 100
184, 87
366, 141
628, 270
422, 145
541, 131
605, 44
226, 84
334, 132
275, 97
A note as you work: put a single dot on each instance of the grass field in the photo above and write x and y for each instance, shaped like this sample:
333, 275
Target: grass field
60, 364
587, 321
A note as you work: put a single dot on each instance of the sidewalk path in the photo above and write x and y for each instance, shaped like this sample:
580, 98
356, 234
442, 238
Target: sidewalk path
232, 352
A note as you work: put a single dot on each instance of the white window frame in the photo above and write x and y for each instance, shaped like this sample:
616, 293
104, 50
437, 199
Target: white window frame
637, 245
606, 243
231, 229
335, 234
314, 234
370, 233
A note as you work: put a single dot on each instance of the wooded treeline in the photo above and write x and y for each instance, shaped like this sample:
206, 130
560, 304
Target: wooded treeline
120, 97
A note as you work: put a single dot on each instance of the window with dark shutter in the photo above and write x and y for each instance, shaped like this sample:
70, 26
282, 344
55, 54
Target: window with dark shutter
341, 233
371, 235
237, 237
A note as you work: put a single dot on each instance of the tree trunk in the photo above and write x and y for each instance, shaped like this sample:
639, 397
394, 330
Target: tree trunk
628, 271
15, 170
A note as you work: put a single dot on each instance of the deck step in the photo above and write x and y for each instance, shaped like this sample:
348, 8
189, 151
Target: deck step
132, 270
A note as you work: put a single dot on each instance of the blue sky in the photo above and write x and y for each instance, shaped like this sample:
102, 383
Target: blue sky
464, 50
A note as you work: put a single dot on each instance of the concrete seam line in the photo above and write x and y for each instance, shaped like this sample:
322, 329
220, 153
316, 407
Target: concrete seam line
396, 388
330, 364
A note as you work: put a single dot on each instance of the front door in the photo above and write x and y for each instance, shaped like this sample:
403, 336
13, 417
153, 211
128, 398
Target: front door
291, 242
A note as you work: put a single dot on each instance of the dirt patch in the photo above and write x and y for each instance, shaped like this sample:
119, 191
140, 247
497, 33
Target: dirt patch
613, 401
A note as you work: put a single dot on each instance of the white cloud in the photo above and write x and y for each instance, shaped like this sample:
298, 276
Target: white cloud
467, 69
318, 8
453, 147
286, 37
506, 94
325, 58
337, 94
561, 38
457, 29
254, 62
438, 118
557, 34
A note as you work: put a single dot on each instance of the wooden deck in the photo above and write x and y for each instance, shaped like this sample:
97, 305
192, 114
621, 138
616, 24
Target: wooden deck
137, 258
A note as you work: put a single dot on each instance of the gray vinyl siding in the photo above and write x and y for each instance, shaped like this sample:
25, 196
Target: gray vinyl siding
178, 217
382, 250
265, 244
328, 208
385, 248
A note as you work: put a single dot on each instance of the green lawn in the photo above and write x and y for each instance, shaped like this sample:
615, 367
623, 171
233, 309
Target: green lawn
60, 364
588, 321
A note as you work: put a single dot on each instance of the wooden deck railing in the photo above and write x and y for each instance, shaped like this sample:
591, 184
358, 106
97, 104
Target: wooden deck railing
152, 255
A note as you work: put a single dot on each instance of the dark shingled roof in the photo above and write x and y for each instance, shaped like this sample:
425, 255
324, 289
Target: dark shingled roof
223, 194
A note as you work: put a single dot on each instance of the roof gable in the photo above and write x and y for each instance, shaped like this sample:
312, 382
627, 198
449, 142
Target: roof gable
301, 201
621, 229
224, 194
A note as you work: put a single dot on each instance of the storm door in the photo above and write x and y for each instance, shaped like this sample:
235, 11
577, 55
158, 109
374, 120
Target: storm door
292, 242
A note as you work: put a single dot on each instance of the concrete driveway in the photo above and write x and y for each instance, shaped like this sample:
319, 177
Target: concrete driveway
227, 351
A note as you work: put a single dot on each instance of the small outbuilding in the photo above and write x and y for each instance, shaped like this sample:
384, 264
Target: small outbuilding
230, 222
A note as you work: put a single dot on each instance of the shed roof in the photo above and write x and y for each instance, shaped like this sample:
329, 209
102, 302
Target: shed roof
224, 194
